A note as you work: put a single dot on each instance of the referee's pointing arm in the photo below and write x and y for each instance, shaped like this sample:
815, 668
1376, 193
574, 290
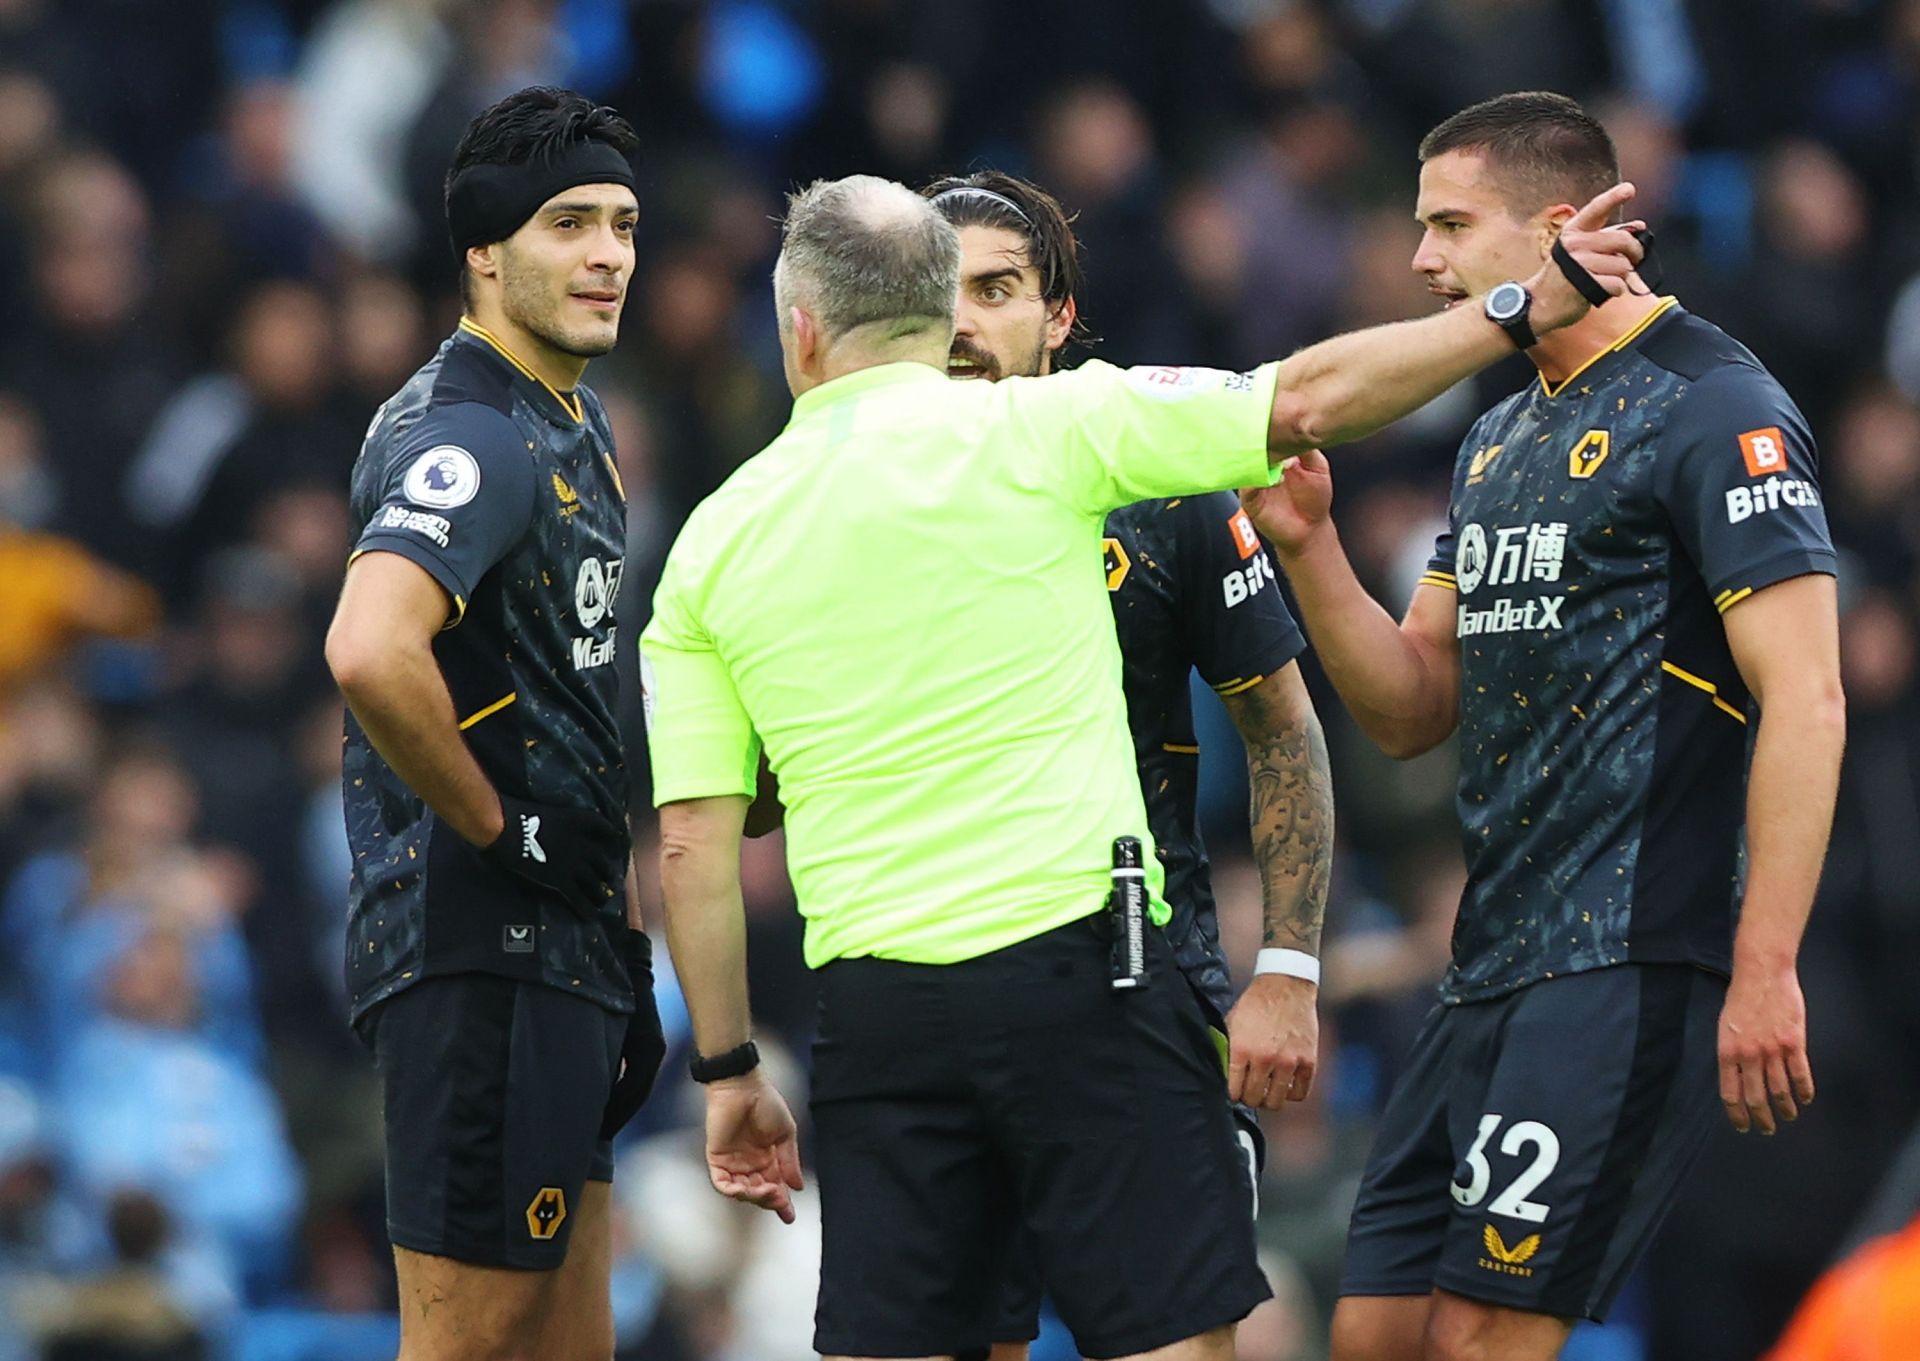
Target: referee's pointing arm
1346, 388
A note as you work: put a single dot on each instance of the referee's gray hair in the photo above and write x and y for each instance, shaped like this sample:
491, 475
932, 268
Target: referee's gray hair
863, 250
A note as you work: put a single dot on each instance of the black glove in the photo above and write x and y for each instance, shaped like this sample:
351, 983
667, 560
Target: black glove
644, 1047
572, 854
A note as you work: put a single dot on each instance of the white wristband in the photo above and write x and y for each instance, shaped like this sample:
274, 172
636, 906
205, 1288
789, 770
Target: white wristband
1292, 963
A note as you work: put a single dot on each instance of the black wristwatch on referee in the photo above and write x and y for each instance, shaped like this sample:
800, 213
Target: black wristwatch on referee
1507, 307
735, 1062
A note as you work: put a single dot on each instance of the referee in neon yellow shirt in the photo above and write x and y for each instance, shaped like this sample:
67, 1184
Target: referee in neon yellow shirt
902, 596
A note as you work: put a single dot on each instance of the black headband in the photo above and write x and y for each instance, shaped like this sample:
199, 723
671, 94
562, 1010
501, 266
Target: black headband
488, 203
975, 191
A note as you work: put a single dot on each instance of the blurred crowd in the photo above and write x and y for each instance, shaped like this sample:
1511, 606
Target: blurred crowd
221, 246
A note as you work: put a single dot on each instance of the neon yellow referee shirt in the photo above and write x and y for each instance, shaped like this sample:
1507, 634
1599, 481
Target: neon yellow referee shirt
903, 596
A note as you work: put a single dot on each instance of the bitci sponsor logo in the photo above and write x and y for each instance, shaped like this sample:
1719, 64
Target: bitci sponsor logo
1743, 503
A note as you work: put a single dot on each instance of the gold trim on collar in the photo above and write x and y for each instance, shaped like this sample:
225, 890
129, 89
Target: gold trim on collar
1666, 304
571, 405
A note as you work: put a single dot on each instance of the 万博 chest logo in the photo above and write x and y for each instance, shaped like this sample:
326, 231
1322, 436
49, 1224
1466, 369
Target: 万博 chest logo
1587, 456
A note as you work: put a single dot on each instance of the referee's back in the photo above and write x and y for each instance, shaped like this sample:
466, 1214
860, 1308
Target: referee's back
903, 598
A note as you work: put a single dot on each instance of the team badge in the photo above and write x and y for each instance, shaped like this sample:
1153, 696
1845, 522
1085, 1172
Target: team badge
1589, 454
1118, 564
546, 1212
443, 477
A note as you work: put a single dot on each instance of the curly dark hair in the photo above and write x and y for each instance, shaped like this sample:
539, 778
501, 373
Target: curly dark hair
1052, 249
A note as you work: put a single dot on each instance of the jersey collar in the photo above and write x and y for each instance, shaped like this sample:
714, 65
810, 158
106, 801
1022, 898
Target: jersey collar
562, 408
864, 380
1667, 305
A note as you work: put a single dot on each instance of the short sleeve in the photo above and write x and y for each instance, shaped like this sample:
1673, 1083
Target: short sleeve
699, 739
1239, 630
1740, 481
458, 494
1123, 435
1440, 566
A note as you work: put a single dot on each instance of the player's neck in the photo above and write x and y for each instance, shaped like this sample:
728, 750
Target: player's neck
556, 368
1571, 348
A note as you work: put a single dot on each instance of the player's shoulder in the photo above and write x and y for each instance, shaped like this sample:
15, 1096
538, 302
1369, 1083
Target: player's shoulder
455, 398
1723, 380
1695, 350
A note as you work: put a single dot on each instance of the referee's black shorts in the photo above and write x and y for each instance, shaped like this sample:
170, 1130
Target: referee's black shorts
956, 1105
494, 1090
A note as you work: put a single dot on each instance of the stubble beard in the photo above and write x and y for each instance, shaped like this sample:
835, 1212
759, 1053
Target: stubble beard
530, 305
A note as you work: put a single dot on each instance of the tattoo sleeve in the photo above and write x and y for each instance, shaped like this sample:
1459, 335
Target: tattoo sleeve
1292, 807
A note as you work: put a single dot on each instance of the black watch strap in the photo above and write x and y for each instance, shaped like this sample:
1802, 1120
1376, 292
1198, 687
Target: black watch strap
736, 1062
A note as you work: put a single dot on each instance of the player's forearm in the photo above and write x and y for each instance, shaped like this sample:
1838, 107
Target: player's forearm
1395, 691
1291, 814
706, 917
1791, 787
1350, 386
401, 701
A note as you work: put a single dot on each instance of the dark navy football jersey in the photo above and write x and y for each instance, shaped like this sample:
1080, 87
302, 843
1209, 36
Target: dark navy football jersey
1597, 533
1192, 587
506, 492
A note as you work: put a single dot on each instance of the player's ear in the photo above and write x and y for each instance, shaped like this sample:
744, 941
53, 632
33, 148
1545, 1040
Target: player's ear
480, 261
1060, 324
1553, 221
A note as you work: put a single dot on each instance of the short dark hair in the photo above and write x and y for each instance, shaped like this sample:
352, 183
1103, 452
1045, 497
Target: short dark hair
1544, 148
535, 124
1052, 248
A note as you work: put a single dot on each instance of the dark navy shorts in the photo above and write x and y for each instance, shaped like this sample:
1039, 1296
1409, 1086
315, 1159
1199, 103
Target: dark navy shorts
957, 1107
1537, 1140
493, 1090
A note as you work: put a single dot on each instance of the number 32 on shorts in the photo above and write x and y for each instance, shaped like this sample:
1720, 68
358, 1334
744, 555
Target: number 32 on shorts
1513, 1201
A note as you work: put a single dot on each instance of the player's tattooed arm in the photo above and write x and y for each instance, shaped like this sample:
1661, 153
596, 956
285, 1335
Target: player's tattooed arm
1273, 1031
1292, 807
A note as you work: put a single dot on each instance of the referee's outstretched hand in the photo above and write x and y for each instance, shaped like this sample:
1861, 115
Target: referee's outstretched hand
1608, 253
1273, 1041
753, 1150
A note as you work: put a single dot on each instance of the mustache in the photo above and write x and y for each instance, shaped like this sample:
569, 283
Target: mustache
973, 354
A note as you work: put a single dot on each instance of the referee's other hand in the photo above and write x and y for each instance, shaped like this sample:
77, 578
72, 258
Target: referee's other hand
1273, 1041
1608, 252
753, 1149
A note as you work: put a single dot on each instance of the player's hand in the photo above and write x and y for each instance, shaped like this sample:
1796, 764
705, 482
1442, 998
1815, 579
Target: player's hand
1606, 252
753, 1150
1296, 508
1764, 1072
573, 854
644, 1045
1273, 1041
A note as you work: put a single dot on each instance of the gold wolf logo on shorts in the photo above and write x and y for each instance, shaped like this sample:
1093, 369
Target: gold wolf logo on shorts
546, 1212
